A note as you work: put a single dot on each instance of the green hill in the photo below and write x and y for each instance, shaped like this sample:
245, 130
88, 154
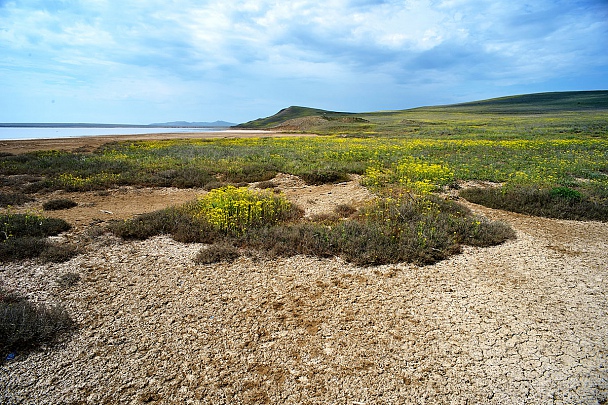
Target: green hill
290, 113
534, 103
425, 121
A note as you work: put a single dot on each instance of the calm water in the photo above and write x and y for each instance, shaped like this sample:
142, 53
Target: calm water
7, 133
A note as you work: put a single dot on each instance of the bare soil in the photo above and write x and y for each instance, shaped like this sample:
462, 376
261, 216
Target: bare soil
521, 323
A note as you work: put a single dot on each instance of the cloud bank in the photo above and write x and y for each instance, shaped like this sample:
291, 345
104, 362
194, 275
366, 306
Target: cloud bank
141, 61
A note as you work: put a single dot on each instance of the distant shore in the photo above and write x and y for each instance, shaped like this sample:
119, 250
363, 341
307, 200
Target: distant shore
90, 143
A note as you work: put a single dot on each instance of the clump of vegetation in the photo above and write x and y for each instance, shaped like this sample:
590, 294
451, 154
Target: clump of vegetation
323, 176
68, 280
265, 184
59, 204
25, 325
222, 212
216, 253
345, 210
11, 199
405, 228
410, 229
559, 202
22, 236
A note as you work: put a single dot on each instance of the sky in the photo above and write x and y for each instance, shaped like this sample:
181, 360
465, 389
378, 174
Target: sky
146, 61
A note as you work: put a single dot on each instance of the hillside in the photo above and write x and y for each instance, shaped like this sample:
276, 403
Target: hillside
535, 103
290, 113
316, 120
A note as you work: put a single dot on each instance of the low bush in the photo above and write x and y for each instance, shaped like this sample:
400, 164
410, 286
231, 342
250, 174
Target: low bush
217, 253
323, 176
59, 204
559, 202
345, 210
265, 184
20, 225
8, 199
25, 325
22, 236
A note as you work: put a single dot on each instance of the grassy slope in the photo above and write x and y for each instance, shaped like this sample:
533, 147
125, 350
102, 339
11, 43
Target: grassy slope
289, 113
388, 121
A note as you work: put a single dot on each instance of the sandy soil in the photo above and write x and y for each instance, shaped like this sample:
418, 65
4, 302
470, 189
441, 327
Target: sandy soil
90, 143
521, 323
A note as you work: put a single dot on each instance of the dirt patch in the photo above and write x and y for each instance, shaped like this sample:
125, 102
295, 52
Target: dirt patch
87, 144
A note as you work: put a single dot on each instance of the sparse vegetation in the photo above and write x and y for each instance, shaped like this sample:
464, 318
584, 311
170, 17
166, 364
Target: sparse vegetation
404, 228
559, 202
25, 325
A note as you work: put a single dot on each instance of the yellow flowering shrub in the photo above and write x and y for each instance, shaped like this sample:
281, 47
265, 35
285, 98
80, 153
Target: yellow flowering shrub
235, 209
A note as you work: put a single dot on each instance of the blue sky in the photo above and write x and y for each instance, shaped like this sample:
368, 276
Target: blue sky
143, 61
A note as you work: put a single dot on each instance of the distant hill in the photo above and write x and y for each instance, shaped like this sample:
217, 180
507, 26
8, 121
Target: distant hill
186, 124
535, 103
290, 113
304, 118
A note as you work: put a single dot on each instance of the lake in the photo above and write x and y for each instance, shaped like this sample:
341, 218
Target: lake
19, 133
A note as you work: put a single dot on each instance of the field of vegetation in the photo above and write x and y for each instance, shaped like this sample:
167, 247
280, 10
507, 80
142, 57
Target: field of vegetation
547, 154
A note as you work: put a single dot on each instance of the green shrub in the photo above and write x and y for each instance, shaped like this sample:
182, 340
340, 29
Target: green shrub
59, 252
391, 230
566, 193
265, 184
323, 176
559, 202
25, 325
59, 204
217, 253
22, 237
7, 199
418, 230
20, 225
21, 248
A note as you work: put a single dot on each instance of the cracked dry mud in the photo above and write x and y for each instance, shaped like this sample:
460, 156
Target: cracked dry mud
521, 323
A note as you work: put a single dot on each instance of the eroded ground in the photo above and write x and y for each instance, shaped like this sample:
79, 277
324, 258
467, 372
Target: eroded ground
521, 323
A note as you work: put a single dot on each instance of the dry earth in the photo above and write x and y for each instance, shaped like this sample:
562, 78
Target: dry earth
521, 323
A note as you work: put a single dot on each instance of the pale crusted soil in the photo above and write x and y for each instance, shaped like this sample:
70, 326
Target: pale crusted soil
521, 323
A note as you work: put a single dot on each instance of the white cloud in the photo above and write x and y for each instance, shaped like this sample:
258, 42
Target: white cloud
157, 50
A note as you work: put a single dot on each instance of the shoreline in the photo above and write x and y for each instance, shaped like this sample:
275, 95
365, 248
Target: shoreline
92, 142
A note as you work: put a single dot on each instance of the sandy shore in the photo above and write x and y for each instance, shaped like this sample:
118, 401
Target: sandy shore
90, 143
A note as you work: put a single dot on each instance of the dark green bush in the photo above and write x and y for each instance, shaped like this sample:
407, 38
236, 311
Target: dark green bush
560, 202
25, 325
323, 176
7, 199
59, 204
566, 193
22, 237
21, 225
